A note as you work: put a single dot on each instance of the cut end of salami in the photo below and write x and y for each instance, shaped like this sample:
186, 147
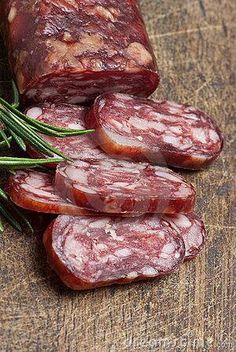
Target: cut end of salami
72, 51
89, 252
116, 186
158, 132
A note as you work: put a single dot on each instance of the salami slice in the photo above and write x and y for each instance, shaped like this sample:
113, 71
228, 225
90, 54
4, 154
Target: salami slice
35, 191
71, 51
118, 186
191, 228
88, 252
66, 116
159, 132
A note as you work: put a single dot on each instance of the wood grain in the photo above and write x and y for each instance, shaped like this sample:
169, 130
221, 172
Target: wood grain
192, 310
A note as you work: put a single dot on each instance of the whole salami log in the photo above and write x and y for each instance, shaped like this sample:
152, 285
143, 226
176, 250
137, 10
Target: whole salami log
159, 132
66, 116
118, 186
192, 230
71, 51
88, 252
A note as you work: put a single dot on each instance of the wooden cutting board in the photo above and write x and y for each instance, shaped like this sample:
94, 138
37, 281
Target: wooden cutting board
192, 310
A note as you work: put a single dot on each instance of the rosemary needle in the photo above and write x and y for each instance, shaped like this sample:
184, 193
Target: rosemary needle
12, 163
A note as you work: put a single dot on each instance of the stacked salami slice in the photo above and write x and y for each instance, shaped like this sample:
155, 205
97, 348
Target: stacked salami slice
120, 220
123, 215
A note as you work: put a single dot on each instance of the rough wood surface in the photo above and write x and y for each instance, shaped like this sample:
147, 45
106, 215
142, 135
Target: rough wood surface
192, 310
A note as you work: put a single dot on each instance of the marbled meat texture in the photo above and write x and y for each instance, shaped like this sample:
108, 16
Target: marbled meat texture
71, 51
88, 252
66, 116
117, 186
161, 132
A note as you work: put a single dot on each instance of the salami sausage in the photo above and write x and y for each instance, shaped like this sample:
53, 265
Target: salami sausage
71, 51
66, 116
118, 186
159, 132
191, 228
88, 252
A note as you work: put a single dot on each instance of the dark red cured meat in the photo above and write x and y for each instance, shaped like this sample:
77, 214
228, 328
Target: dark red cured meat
158, 132
71, 51
117, 186
191, 228
89, 252
66, 116
35, 191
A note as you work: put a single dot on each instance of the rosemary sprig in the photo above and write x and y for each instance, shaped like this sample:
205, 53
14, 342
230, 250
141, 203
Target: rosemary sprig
7, 208
24, 130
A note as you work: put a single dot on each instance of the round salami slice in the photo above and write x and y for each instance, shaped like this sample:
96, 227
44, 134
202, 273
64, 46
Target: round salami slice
66, 116
159, 132
191, 228
118, 186
89, 252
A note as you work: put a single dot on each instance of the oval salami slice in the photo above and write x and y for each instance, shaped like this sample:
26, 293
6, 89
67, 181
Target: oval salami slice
66, 116
118, 186
71, 51
191, 228
88, 252
158, 132
35, 191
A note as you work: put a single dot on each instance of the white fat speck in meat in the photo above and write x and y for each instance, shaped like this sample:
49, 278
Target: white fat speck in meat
149, 271
168, 248
199, 134
132, 275
123, 252
75, 251
171, 140
98, 224
101, 246
214, 136
34, 113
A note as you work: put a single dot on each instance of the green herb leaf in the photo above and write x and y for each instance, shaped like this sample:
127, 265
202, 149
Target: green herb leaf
12, 163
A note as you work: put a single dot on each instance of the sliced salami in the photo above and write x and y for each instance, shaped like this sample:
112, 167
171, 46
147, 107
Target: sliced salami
89, 252
155, 131
71, 51
191, 228
66, 116
35, 191
118, 186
